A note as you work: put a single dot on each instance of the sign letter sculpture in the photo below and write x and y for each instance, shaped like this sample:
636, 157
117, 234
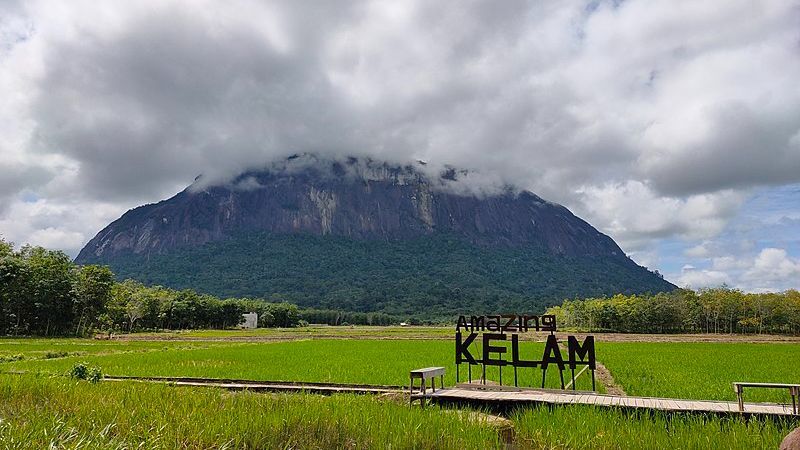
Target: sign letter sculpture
494, 351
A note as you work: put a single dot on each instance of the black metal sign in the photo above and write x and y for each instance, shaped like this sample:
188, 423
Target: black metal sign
497, 331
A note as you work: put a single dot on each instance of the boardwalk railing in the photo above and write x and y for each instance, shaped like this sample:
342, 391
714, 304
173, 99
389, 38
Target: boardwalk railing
794, 391
483, 395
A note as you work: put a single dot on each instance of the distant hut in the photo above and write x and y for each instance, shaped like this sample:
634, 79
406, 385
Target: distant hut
250, 320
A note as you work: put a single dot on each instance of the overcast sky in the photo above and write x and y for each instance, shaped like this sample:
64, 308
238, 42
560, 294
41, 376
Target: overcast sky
672, 126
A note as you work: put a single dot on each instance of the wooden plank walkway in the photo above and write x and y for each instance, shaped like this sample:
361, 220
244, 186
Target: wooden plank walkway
267, 386
551, 397
487, 395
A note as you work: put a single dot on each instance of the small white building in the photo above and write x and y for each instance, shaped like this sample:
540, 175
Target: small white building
250, 320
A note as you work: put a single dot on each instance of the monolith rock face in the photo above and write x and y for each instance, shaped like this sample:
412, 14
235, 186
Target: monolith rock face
367, 236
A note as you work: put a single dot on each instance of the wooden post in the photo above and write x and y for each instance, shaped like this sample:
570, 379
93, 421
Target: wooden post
411, 392
739, 397
424, 391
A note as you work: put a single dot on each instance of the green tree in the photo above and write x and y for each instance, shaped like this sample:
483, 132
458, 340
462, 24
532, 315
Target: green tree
93, 287
50, 290
13, 289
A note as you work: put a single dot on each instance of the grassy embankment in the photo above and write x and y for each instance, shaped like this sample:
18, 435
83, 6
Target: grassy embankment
15, 349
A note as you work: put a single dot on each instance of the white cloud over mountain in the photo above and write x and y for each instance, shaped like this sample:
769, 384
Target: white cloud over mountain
654, 120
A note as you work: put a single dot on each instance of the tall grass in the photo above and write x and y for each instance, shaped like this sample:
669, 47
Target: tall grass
54, 413
584, 427
43, 412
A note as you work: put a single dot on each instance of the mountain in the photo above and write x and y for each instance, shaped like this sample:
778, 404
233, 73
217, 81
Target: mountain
363, 235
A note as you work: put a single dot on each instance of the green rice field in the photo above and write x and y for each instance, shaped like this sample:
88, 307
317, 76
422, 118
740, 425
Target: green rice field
701, 370
676, 370
323, 360
43, 408
33, 349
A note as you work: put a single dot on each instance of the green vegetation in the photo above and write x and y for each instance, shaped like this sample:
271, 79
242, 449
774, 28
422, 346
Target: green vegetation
337, 361
46, 407
47, 348
584, 427
720, 310
81, 371
316, 331
39, 412
431, 278
134, 306
678, 370
334, 317
58, 413
700, 370
43, 293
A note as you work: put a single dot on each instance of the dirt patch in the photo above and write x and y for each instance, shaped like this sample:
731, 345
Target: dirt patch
400, 398
625, 337
436, 334
606, 379
503, 426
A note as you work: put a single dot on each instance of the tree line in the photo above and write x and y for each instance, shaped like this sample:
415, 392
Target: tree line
713, 310
42, 292
335, 317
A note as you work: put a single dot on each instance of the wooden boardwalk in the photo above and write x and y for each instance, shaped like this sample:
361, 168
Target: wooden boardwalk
489, 395
510, 397
267, 386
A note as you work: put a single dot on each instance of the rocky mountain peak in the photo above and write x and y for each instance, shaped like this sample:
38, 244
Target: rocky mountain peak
356, 197
357, 233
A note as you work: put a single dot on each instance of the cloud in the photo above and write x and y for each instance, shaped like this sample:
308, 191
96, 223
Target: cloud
651, 119
694, 278
771, 270
634, 214
768, 270
58, 225
698, 251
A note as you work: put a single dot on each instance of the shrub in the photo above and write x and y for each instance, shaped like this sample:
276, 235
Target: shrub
11, 358
81, 371
94, 375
